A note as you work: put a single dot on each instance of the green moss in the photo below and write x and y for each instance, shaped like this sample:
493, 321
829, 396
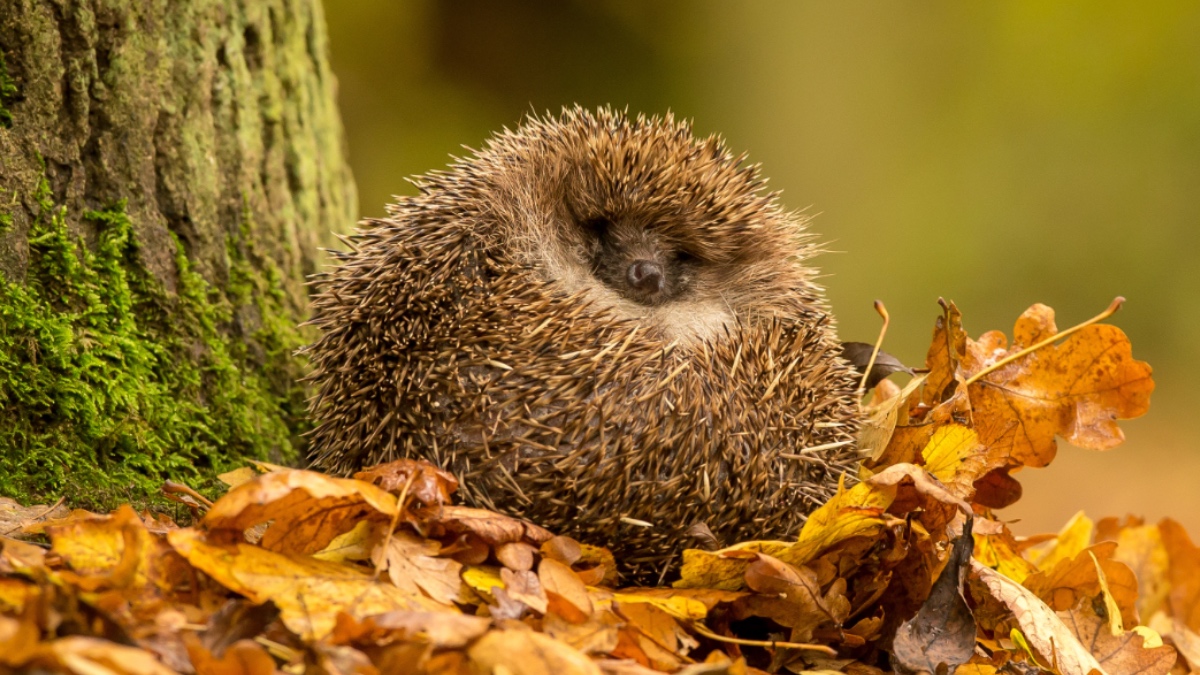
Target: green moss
109, 384
8, 92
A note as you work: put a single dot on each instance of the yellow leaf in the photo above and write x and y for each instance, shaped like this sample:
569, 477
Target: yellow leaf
678, 606
309, 592
1075, 536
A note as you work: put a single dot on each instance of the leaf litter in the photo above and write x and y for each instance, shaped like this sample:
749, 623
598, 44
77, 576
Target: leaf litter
906, 569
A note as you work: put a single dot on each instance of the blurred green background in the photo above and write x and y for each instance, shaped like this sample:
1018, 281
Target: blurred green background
996, 154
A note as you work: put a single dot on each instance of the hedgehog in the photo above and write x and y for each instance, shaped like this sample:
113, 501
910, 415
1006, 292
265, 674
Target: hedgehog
601, 324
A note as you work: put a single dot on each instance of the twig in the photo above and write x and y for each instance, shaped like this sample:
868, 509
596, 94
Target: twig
1112, 309
703, 630
862, 385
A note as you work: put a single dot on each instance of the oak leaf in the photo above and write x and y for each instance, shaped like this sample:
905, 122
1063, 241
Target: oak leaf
1076, 389
1119, 653
1042, 628
306, 509
308, 592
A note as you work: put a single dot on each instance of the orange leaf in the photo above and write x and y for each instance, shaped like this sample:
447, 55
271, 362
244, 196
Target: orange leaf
308, 592
307, 509
1076, 389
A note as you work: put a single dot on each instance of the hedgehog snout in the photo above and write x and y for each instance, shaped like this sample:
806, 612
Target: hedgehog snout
646, 276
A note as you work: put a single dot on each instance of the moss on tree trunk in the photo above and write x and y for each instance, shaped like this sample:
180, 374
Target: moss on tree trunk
168, 171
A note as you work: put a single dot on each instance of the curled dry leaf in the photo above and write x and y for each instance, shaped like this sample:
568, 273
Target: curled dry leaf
1141, 548
1045, 631
307, 510
117, 551
244, 657
942, 634
1071, 581
1183, 573
15, 518
493, 528
567, 595
424, 481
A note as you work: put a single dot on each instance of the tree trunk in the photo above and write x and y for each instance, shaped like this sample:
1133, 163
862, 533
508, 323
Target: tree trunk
168, 171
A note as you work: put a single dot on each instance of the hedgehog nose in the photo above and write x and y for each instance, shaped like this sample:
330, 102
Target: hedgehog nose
645, 276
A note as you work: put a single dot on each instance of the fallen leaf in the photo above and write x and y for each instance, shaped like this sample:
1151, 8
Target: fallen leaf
1071, 581
412, 563
1183, 572
424, 481
444, 630
493, 528
307, 510
15, 518
1122, 654
567, 595
1141, 548
524, 652
1045, 631
955, 457
526, 588
942, 634
308, 592
1074, 537
1076, 389
244, 657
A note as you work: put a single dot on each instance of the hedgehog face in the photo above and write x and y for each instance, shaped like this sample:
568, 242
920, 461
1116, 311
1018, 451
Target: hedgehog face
638, 263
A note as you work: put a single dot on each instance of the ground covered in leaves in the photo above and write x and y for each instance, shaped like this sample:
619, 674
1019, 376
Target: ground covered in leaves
907, 569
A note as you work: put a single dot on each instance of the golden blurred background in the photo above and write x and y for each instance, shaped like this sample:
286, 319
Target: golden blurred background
995, 154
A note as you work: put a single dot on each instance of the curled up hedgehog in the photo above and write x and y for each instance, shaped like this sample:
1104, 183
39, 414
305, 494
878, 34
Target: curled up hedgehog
598, 323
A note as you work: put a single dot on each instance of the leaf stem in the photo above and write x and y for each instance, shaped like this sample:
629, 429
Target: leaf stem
1112, 309
862, 385
703, 630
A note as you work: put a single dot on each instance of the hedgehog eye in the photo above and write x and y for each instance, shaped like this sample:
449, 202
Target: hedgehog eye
685, 257
598, 227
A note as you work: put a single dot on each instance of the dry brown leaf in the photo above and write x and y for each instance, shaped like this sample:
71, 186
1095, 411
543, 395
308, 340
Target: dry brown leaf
942, 634
244, 657
525, 587
444, 630
955, 457
652, 637
412, 563
1070, 541
18, 556
567, 595
1055, 642
117, 552
1141, 548
424, 481
524, 652
308, 592
307, 510
1184, 573
1071, 581
1121, 654
493, 528
15, 518
1076, 389
596, 635
516, 555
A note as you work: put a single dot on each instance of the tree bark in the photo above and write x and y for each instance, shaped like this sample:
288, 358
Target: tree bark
168, 172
